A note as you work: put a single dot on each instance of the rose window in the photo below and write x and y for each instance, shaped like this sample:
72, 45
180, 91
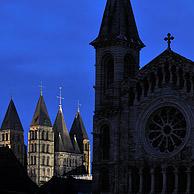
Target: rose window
166, 129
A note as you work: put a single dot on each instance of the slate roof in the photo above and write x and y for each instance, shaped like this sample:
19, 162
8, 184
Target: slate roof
79, 130
76, 146
41, 116
13, 177
62, 139
118, 23
11, 120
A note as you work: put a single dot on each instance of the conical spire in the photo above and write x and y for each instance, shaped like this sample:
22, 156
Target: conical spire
11, 120
78, 129
62, 139
118, 24
41, 116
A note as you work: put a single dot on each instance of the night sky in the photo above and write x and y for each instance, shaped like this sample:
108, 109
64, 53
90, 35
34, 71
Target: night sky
48, 41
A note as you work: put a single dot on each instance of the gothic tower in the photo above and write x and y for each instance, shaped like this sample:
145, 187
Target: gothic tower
41, 145
12, 133
117, 60
66, 158
80, 140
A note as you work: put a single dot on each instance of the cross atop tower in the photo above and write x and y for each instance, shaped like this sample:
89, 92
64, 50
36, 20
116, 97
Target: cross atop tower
78, 106
169, 39
41, 88
60, 97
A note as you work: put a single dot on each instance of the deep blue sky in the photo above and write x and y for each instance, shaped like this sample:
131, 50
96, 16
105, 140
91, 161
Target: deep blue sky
49, 41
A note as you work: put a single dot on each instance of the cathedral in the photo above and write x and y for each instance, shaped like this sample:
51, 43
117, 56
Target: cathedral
52, 149
143, 139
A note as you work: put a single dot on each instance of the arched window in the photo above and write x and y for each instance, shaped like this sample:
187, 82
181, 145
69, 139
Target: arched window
48, 160
35, 147
35, 134
31, 148
43, 160
34, 160
105, 142
7, 136
48, 172
31, 160
32, 133
43, 148
47, 135
47, 149
43, 134
43, 172
3, 137
130, 67
108, 65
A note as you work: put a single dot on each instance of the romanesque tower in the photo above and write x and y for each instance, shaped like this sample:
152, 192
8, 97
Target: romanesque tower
79, 137
41, 145
117, 59
67, 158
12, 133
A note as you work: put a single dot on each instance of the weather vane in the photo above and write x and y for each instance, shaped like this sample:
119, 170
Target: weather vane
60, 97
169, 39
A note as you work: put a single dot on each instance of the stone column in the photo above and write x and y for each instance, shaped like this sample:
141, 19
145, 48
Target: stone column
130, 181
163, 179
141, 180
152, 180
176, 180
188, 171
116, 180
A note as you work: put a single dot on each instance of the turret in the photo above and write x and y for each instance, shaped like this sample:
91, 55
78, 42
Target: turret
12, 133
41, 145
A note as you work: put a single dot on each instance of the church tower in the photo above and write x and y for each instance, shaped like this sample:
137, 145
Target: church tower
66, 158
12, 133
41, 145
117, 48
80, 140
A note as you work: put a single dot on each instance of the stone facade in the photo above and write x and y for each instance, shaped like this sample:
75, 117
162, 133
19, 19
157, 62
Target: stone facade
51, 152
66, 162
143, 121
40, 153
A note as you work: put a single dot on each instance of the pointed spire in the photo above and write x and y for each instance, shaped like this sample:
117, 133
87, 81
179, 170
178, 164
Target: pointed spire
62, 139
41, 116
118, 24
11, 120
78, 129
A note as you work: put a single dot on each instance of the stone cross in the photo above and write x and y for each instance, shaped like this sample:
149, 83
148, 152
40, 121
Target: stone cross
41, 88
78, 106
169, 39
60, 97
